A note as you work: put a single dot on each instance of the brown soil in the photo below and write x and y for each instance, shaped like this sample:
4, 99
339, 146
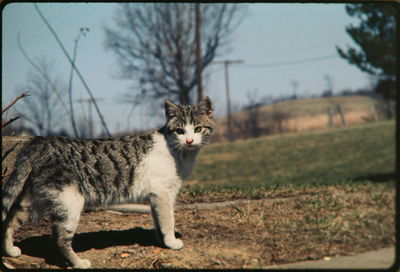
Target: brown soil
311, 225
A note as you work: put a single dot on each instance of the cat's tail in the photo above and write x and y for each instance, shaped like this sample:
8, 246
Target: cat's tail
13, 187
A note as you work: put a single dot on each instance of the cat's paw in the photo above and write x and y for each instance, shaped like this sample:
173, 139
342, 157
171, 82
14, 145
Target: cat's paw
82, 264
173, 243
13, 251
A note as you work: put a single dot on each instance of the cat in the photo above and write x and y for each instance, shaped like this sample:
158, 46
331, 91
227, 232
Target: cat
60, 176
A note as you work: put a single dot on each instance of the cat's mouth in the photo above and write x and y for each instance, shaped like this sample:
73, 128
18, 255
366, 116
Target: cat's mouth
191, 146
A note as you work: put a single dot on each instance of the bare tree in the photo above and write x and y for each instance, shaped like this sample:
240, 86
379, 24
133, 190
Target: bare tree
279, 117
252, 108
42, 108
329, 86
155, 44
254, 122
6, 108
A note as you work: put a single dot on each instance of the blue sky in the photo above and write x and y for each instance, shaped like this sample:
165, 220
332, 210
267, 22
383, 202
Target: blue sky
270, 33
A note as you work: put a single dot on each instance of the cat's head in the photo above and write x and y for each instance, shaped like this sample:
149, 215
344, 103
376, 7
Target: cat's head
189, 126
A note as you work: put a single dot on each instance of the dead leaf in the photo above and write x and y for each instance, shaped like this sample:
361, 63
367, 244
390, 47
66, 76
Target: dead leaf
124, 254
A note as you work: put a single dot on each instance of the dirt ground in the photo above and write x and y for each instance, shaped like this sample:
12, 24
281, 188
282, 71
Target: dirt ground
305, 226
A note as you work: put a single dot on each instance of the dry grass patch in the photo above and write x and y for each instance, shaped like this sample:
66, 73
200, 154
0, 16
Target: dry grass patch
301, 224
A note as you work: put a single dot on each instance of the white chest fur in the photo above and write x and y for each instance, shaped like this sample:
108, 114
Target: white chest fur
162, 170
186, 162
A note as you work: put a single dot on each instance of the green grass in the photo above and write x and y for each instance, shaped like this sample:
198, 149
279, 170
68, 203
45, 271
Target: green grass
333, 190
339, 156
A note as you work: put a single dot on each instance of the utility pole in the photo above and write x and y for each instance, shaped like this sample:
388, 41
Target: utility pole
199, 64
90, 119
294, 84
226, 64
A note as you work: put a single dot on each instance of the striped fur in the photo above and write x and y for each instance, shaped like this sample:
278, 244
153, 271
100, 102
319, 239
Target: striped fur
60, 176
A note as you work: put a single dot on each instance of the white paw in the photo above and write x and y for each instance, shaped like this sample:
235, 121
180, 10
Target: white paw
13, 251
174, 243
82, 264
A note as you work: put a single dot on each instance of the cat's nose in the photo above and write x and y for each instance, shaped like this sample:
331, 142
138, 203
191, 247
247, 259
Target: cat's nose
189, 141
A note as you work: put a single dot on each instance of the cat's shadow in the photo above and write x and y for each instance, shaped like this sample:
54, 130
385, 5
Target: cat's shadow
44, 247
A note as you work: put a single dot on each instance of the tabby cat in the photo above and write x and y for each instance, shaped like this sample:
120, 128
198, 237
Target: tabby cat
59, 176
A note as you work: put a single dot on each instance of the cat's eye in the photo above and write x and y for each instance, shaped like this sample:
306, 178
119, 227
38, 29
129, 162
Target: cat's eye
197, 129
179, 131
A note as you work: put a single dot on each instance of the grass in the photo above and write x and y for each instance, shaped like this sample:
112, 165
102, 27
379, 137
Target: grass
335, 221
312, 222
332, 192
299, 223
339, 156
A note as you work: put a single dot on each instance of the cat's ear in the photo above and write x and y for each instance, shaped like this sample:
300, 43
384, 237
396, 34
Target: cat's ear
171, 109
205, 106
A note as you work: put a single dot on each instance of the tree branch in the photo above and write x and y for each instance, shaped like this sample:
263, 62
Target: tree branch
43, 74
154, 42
15, 101
71, 107
75, 68
9, 121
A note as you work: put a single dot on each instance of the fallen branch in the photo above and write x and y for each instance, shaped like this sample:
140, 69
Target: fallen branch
142, 208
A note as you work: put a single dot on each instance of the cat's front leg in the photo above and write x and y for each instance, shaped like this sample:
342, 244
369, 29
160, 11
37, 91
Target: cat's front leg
162, 208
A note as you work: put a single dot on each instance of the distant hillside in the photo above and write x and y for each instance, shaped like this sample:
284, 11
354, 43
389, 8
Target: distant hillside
300, 115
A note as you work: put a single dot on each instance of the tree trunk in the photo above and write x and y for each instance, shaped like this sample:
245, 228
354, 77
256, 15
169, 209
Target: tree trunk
184, 98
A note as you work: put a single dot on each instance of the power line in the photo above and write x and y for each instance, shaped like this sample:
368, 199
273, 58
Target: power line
282, 63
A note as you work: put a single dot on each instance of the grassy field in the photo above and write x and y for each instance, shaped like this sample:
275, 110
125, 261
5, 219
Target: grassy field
333, 192
339, 156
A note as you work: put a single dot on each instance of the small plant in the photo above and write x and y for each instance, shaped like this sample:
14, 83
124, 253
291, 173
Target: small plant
6, 123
